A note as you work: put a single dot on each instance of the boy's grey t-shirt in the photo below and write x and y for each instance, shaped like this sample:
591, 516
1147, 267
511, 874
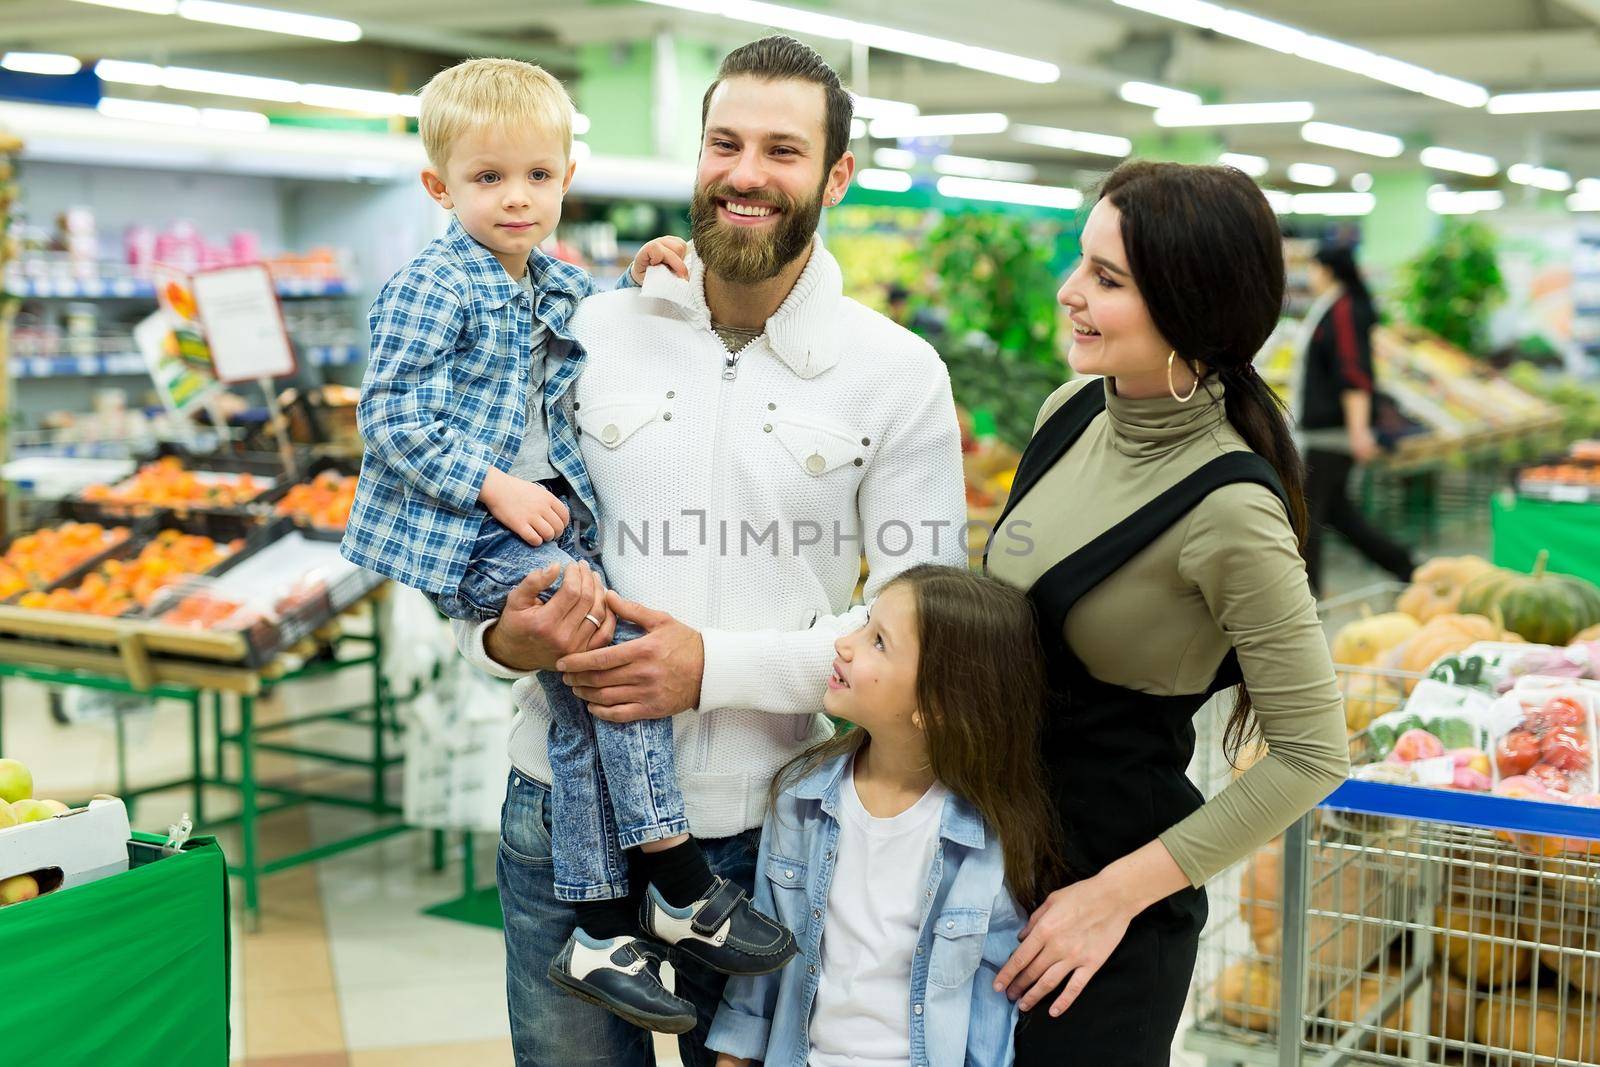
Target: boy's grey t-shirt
532, 462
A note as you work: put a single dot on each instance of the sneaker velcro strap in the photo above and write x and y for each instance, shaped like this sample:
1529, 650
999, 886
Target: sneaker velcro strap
717, 908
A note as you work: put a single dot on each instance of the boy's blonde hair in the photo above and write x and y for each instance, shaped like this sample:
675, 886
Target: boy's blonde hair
491, 92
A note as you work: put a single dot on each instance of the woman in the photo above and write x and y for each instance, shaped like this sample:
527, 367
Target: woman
1156, 521
1335, 403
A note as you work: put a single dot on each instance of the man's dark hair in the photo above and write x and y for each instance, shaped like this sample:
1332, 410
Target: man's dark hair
778, 58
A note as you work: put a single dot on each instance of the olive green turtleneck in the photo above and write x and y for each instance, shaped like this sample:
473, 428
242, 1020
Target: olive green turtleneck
1227, 575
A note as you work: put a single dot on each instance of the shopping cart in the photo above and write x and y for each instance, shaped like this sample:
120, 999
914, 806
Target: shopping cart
1398, 925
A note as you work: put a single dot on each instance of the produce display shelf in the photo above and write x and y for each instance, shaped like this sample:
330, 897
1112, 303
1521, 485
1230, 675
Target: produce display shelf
144, 289
132, 364
1484, 810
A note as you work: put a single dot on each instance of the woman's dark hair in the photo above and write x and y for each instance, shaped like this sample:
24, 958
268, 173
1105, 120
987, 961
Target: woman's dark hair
1205, 251
980, 696
1341, 263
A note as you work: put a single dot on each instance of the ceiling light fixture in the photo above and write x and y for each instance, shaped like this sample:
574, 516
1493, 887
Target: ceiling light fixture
884, 181
972, 167
248, 17
143, 7
1096, 144
221, 83
1352, 139
1282, 203
1312, 174
1361, 183
1291, 41
1454, 159
1010, 193
1584, 202
1442, 201
1235, 114
858, 129
580, 124
216, 118
1533, 103
1255, 166
1151, 95
884, 38
1334, 203
1547, 178
894, 158
40, 63
873, 107
939, 125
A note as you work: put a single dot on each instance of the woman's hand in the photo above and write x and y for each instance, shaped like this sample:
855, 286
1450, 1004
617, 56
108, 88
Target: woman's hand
1072, 933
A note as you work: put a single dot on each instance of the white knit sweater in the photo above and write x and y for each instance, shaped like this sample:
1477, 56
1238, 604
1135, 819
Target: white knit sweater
739, 500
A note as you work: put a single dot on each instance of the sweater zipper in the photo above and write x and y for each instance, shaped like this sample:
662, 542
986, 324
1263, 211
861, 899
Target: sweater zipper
730, 371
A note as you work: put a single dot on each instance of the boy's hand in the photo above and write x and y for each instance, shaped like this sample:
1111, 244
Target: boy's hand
530, 511
668, 250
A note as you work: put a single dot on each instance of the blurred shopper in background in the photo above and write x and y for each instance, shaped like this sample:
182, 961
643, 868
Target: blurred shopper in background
1335, 412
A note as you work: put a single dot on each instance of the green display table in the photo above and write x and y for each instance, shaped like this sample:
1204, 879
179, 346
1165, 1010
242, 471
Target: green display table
130, 970
1569, 532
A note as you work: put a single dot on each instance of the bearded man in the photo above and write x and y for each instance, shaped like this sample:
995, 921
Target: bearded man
751, 434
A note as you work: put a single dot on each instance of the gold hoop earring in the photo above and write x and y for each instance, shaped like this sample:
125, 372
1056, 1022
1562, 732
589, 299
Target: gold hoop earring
1172, 389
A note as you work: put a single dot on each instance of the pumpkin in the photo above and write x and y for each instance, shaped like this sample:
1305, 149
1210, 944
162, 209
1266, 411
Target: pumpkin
1481, 948
1361, 643
1545, 608
1437, 585
1537, 1025
1566, 945
1442, 635
1365, 698
1247, 995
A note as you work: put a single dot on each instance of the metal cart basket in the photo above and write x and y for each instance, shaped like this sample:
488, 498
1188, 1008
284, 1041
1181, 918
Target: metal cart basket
1401, 925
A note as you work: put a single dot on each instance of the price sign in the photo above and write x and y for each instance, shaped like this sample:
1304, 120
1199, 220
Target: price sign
243, 323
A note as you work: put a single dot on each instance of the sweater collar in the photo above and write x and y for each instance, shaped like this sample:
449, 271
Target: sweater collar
1158, 425
803, 332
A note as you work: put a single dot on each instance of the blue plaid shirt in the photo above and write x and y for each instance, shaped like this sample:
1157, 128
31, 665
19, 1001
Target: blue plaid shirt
445, 398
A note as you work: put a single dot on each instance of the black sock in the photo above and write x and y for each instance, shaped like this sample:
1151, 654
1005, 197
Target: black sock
603, 919
679, 873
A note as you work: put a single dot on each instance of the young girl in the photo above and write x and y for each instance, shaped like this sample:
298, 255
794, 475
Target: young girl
899, 851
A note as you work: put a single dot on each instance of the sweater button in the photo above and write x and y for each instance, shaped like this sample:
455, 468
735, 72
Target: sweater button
667, 417
859, 461
671, 394
610, 434
767, 428
772, 407
815, 463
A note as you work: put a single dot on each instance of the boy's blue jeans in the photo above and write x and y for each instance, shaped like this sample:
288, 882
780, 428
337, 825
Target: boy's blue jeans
614, 785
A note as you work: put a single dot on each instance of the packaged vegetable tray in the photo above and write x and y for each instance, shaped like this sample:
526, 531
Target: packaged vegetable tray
1495, 667
1439, 738
1543, 742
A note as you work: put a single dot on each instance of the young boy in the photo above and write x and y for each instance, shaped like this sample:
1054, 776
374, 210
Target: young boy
473, 479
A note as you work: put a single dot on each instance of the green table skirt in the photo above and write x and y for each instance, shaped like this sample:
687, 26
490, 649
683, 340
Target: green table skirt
1570, 532
130, 971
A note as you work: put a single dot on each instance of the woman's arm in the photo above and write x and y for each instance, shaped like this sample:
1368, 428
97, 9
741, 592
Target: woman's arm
1240, 552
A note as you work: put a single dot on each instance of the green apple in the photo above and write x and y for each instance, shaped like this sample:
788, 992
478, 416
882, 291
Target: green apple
16, 890
32, 811
56, 807
16, 782
7, 816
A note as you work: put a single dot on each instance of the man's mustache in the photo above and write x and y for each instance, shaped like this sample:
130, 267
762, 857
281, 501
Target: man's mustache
723, 192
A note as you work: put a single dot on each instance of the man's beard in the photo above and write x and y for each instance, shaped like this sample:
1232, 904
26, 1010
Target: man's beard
747, 255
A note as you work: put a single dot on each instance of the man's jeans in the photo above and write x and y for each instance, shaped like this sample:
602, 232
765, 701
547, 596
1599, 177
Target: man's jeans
548, 1027
616, 785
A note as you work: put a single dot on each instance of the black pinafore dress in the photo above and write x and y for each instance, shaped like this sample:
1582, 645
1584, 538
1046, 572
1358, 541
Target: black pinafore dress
1116, 760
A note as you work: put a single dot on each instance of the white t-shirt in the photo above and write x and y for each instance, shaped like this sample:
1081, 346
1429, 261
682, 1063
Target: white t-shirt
532, 462
874, 915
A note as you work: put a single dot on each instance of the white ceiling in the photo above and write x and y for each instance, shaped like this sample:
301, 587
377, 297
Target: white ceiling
1503, 45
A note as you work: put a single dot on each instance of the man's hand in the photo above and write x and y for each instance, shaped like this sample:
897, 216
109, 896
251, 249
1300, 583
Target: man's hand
668, 250
530, 511
650, 677
531, 634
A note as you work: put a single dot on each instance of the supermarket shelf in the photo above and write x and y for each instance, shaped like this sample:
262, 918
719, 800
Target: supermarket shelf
143, 289
131, 364
1465, 809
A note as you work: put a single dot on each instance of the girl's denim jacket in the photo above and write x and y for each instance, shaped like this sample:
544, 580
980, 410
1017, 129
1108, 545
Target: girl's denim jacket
969, 929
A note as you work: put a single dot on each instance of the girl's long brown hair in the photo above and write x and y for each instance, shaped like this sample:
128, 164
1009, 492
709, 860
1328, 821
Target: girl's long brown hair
980, 694
1205, 250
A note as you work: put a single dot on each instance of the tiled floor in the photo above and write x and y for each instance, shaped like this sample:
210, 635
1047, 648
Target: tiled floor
345, 970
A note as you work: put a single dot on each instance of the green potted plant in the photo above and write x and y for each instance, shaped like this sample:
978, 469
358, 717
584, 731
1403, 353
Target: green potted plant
1451, 287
